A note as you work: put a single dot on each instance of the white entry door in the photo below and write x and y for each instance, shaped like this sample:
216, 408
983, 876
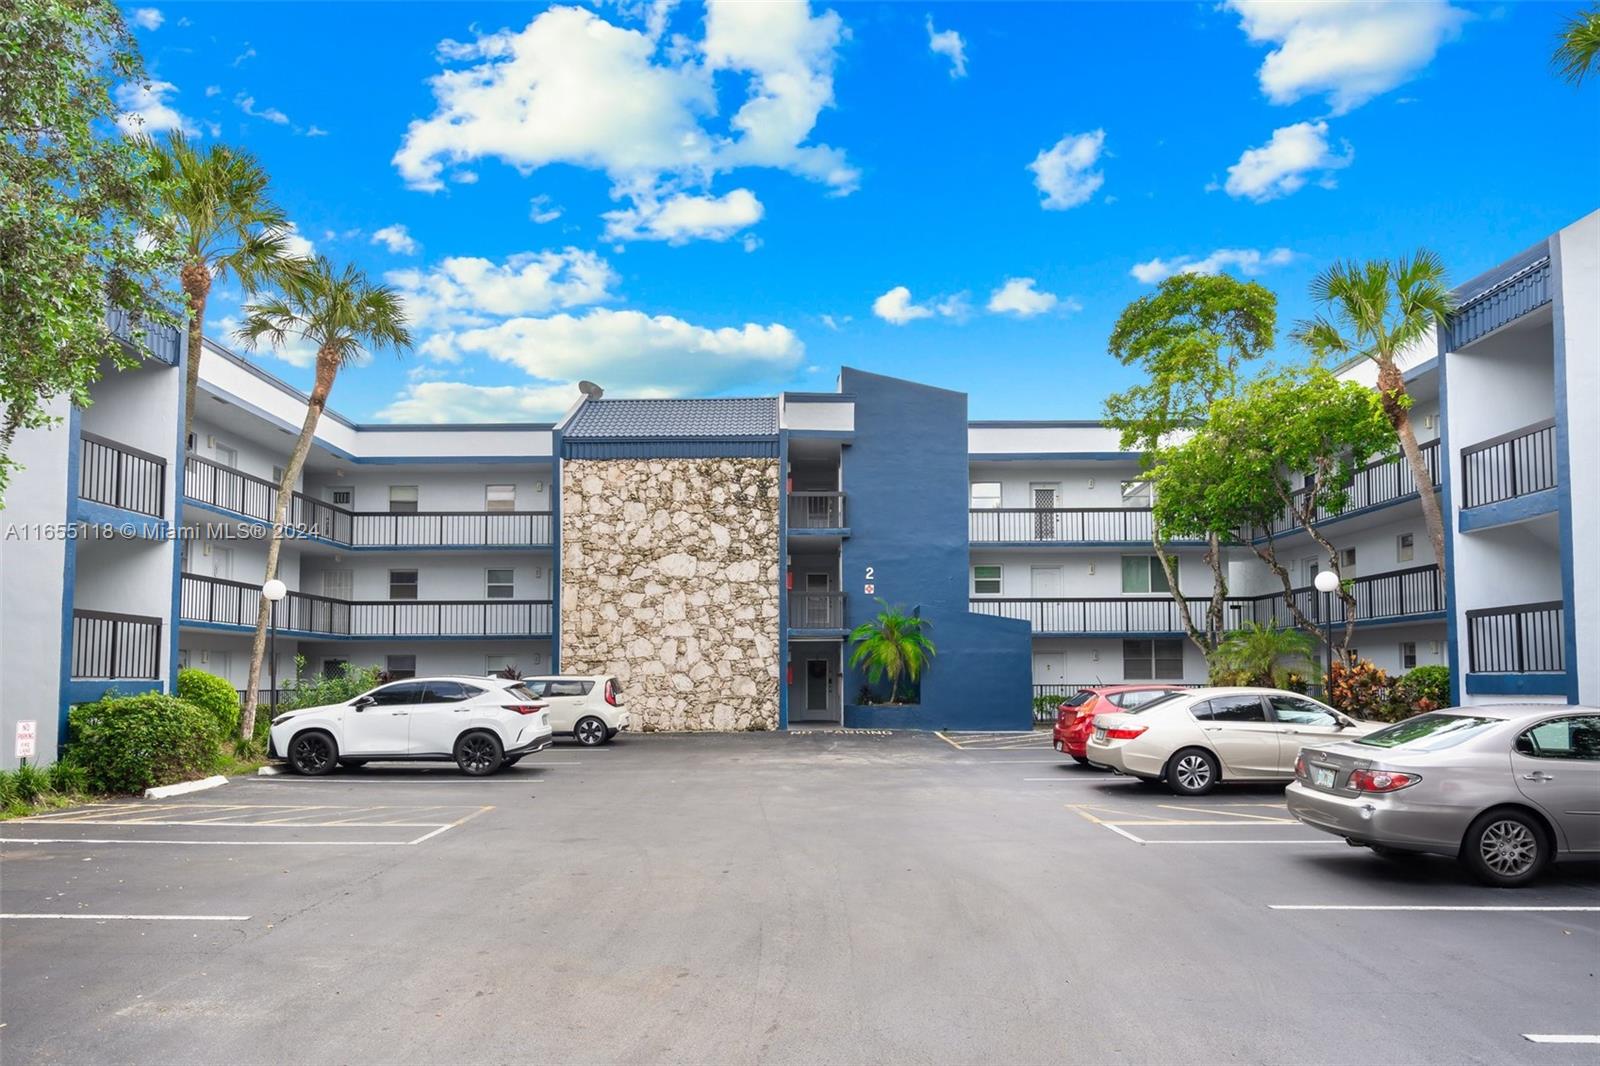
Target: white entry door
222, 563
337, 584
1047, 583
1049, 667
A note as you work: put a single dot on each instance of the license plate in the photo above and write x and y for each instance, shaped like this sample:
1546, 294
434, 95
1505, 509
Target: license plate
1100, 735
1322, 776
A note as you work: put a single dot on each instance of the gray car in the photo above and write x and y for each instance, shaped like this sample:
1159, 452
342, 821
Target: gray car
1506, 789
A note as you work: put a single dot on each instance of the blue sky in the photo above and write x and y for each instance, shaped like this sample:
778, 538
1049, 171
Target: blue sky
672, 199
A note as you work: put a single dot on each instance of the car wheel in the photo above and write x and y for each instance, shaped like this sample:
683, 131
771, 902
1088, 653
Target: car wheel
1506, 849
313, 754
1192, 772
1081, 760
590, 731
479, 754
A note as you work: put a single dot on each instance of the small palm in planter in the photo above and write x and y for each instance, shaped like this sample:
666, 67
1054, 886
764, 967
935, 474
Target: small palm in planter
892, 645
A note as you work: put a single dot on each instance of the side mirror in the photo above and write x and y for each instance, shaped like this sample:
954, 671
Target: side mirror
363, 701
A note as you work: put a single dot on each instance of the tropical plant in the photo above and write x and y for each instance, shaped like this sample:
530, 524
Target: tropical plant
215, 208
1357, 688
1376, 311
1189, 339
76, 202
1424, 688
1579, 44
343, 315
1256, 654
893, 645
131, 743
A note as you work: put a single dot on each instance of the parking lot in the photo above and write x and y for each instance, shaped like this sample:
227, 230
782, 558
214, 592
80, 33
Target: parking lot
818, 896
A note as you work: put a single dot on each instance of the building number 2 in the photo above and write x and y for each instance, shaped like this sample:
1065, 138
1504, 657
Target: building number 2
869, 588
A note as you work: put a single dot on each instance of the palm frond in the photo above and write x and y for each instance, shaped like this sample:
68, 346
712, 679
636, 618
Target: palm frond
1579, 43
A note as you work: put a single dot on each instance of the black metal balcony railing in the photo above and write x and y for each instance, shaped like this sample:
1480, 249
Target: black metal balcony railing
816, 610
1529, 638
244, 494
1063, 690
1121, 614
119, 476
1378, 482
221, 602
1061, 525
165, 341
1510, 465
115, 647
816, 510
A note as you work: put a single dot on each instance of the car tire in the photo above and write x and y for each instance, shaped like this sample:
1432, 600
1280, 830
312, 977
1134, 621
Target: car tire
1081, 760
313, 753
591, 732
479, 753
1505, 848
1192, 772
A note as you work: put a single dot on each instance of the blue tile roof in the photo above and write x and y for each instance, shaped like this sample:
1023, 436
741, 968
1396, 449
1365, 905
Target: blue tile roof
755, 416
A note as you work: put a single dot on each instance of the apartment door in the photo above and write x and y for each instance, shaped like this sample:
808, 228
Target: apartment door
222, 563
817, 686
1049, 668
819, 607
1046, 498
229, 489
338, 584
1047, 583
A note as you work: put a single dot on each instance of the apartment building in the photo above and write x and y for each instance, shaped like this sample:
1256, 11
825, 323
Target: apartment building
716, 553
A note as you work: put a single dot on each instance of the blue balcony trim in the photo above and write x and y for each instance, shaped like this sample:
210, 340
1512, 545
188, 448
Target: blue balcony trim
1410, 497
1447, 510
76, 692
127, 523
1506, 512
1505, 301
1517, 684
69, 582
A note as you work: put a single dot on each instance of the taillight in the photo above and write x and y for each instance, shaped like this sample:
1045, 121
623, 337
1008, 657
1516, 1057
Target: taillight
1381, 780
1300, 765
1125, 732
1088, 708
611, 693
524, 708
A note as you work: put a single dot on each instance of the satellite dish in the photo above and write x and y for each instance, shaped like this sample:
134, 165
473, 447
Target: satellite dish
591, 390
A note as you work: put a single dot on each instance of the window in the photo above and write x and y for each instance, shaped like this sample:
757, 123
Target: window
1294, 711
1577, 737
1347, 562
985, 495
402, 584
1429, 732
1129, 700
495, 664
399, 666
986, 581
397, 695
1136, 494
341, 497
1146, 660
535, 688
499, 497
448, 692
277, 475
402, 499
500, 584
568, 688
1404, 548
332, 668
1408, 655
1237, 709
1143, 573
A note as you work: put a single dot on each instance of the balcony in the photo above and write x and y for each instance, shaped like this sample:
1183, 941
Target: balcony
1377, 483
236, 492
1511, 465
1119, 614
119, 476
165, 342
816, 511
1526, 639
115, 647
215, 601
1380, 597
1063, 525
816, 610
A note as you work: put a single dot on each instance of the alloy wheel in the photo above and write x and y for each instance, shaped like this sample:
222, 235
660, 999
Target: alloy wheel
1508, 847
311, 753
477, 754
1193, 772
591, 731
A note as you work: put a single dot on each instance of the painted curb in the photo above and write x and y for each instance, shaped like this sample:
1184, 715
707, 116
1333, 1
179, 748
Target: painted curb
185, 786
268, 771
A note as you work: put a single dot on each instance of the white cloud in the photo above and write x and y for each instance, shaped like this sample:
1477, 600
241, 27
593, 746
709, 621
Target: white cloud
681, 218
1065, 172
542, 209
442, 402
1242, 260
467, 291
1019, 296
296, 243
146, 18
248, 54
145, 109
896, 308
949, 43
247, 104
397, 239
1282, 165
315, 130
213, 90
1351, 51
571, 87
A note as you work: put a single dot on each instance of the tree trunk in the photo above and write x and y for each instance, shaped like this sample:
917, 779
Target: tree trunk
1267, 553
1215, 626
1198, 638
196, 281
1392, 387
327, 367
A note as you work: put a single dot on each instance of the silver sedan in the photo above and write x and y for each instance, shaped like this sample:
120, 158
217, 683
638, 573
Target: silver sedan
1506, 789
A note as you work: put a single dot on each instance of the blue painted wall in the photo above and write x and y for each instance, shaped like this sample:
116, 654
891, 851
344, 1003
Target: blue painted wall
906, 479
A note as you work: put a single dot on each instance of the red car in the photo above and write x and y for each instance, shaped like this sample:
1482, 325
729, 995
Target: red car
1075, 717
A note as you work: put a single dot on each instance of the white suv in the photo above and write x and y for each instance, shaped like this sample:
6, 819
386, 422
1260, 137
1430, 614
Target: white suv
483, 723
588, 708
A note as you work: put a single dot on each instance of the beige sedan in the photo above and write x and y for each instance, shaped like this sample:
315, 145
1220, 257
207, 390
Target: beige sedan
1195, 739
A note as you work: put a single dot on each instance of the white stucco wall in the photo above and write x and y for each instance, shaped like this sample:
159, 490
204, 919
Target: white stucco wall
801, 414
1575, 252
1023, 439
1085, 572
1099, 661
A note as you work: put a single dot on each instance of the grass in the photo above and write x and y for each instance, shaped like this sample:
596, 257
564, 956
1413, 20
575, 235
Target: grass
30, 790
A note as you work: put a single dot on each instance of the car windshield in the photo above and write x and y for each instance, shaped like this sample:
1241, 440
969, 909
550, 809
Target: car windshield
1430, 732
1159, 701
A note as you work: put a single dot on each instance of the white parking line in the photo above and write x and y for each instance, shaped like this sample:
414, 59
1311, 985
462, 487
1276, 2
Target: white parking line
1561, 1038
1424, 907
137, 917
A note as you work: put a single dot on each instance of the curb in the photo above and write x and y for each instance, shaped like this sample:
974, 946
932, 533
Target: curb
185, 786
268, 771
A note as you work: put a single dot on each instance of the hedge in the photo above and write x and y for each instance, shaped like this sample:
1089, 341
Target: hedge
131, 743
213, 694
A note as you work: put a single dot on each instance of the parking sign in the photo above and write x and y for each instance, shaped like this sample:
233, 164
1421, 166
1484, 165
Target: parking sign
27, 735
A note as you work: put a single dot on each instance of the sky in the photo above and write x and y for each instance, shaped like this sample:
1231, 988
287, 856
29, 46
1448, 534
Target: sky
734, 199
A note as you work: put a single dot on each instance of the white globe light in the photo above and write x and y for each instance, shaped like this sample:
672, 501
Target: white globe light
276, 590
1327, 581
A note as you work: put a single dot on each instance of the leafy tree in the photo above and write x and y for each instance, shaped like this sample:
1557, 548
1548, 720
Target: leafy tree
1189, 339
344, 315
1580, 42
893, 645
1376, 311
1256, 654
215, 207
75, 197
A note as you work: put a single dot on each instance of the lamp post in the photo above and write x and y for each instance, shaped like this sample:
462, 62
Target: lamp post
1327, 583
273, 591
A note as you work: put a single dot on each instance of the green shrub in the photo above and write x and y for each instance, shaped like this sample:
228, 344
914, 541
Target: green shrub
213, 694
28, 783
136, 742
68, 778
347, 684
8, 790
1426, 688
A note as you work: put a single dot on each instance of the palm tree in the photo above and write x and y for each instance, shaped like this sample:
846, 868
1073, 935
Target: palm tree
1580, 42
216, 205
1376, 310
1265, 654
344, 315
895, 645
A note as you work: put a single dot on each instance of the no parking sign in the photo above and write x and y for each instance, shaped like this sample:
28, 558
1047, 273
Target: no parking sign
27, 737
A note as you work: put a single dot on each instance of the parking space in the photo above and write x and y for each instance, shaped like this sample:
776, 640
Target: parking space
243, 824
1029, 741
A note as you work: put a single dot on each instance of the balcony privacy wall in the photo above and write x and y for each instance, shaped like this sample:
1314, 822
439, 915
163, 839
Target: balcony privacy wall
669, 580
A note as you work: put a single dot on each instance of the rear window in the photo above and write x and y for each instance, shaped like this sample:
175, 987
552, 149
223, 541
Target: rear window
522, 692
568, 688
1078, 700
1430, 732
1161, 700
1129, 700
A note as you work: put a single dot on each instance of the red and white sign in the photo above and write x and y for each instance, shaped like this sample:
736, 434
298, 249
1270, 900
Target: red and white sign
27, 737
